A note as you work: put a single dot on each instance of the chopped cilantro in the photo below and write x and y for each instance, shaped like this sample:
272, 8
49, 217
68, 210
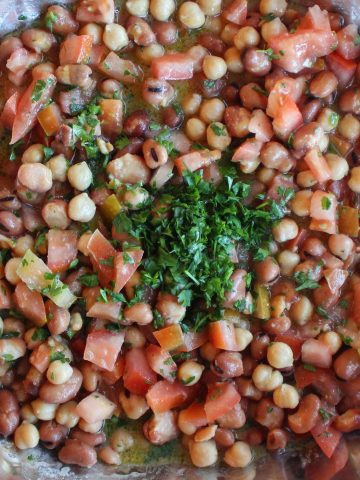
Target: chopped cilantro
209, 83
357, 40
270, 53
269, 17
344, 303
325, 203
39, 89
333, 149
260, 90
270, 409
22, 18
188, 380
158, 320
73, 264
107, 261
114, 327
325, 415
261, 254
13, 150
40, 334
7, 357
40, 240
347, 340
334, 119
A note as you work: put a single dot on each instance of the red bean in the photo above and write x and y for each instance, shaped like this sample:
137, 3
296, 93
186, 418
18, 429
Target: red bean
347, 364
267, 270
224, 437
171, 117
307, 414
237, 121
9, 413
276, 326
10, 224
140, 31
316, 353
228, 364
258, 346
349, 421
257, 62
9, 201
166, 32
65, 22
313, 246
249, 365
247, 389
76, 452
61, 393
209, 88
277, 439
134, 147
255, 436
136, 124
231, 94
52, 434
350, 101
311, 110
234, 419
92, 439
212, 43
268, 414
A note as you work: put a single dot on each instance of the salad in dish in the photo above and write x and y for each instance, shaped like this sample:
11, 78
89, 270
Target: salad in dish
179, 220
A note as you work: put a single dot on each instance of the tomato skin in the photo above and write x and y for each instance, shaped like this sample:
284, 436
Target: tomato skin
8, 114
100, 251
105, 311
161, 362
288, 118
103, 347
164, 396
40, 357
62, 249
75, 49
138, 376
50, 119
221, 398
124, 270
248, 150
193, 340
30, 303
327, 439
176, 66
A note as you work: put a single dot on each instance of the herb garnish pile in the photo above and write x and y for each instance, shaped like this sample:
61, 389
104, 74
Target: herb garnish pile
196, 225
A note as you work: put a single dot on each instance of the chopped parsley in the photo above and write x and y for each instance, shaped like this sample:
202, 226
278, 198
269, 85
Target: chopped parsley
40, 240
40, 334
332, 148
73, 264
356, 40
261, 254
56, 355
158, 321
55, 287
334, 119
347, 340
305, 281
7, 357
260, 90
48, 152
50, 19
128, 258
13, 150
270, 53
322, 312
344, 303
209, 83
219, 130
89, 279
22, 18
309, 367
188, 380
325, 415
325, 203
122, 142
39, 89
107, 261
269, 17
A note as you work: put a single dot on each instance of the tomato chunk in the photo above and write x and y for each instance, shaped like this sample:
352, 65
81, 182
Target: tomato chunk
318, 165
222, 335
119, 68
9, 111
161, 362
248, 150
343, 69
138, 376
176, 66
75, 49
95, 408
348, 46
126, 264
105, 311
30, 303
221, 398
323, 208
194, 160
50, 119
96, 11
103, 347
164, 396
102, 256
235, 12
5, 295
170, 337
325, 468
111, 117
62, 249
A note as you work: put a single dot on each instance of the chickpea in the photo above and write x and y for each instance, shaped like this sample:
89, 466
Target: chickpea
323, 84
109, 456
208, 351
139, 313
33, 154
197, 54
189, 372
266, 379
286, 229
306, 179
58, 166
115, 37
80, 176
243, 338
301, 311
191, 103
233, 60
44, 410
27, 413
217, 136
147, 54
76, 322
191, 15
203, 454
10, 270
195, 129
94, 30
138, 8
134, 337
90, 427
121, 440
214, 67
349, 127
212, 110
332, 340
55, 214
26, 436
354, 182
59, 372
210, 7
23, 243
36, 177
280, 355
82, 244
238, 455
265, 175
246, 37
133, 405
328, 119
341, 245
277, 7
135, 198
162, 9
228, 33
81, 208
66, 414
272, 29
300, 204
286, 396
339, 167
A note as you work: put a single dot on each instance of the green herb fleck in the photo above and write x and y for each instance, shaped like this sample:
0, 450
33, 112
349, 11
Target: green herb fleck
309, 367
325, 203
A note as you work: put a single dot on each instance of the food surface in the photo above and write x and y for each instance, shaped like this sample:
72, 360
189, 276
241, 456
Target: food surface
179, 221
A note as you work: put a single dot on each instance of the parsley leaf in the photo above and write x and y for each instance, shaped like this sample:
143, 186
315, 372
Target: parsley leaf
325, 203
304, 281
218, 129
89, 279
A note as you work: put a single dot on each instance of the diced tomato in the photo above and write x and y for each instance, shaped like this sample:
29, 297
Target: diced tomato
126, 264
323, 208
348, 47
193, 340
278, 184
317, 353
119, 68
287, 118
170, 337
75, 49
318, 165
95, 408
222, 335
195, 415
91, 295
97, 55
293, 340
50, 119
235, 12
335, 277
40, 357
349, 221
293, 87
194, 160
138, 376
305, 376
30, 303
9, 111
5, 295
322, 380
238, 289
176, 66
326, 469
112, 377
315, 18
343, 69
221, 398
164, 396
105, 311
331, 262
327, 439
103, 347
31, 103
97, 11
21, 60
161, 362
111, 116
260, 124
102, 256
62, 249
248, 150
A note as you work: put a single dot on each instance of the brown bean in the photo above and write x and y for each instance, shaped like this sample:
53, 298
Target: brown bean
311, 110
255, 436
249, 365
236, 418
307, 137
258, 346
231, 94
224, 437
267, 270
75, 452
65, 22
58, 318
277, 439
110, 88
274, 155
237, 121
9, 201
227, 365
257, 62
347, 364
9, 413
61, 393
276, 326
212, 43
136, 124
92, 439
268, 414
52, 434
307, 414
350, 101
313, 246
32, 381
171, 117
323, 84
349, 421
247, 389
166, 32
209, 89
10, 224
134, 147
140, 31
